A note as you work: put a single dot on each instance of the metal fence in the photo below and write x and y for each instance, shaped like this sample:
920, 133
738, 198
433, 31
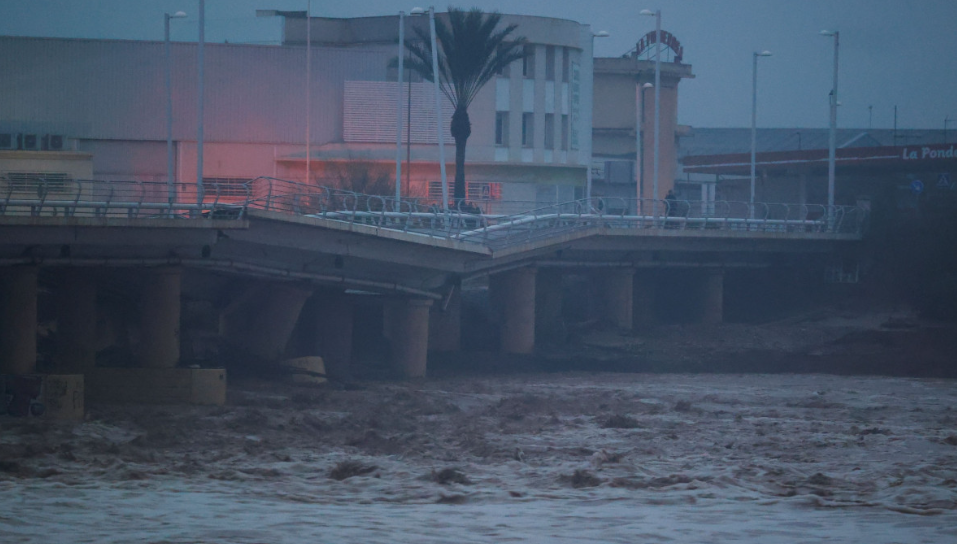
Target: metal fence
464, 221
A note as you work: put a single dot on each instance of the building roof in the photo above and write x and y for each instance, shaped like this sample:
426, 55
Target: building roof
724, 141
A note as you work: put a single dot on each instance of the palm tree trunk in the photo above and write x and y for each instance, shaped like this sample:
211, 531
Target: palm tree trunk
461, 130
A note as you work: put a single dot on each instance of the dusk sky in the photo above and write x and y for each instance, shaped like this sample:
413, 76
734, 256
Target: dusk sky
893, 52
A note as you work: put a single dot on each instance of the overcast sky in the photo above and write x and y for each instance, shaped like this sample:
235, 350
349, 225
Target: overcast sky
893, 52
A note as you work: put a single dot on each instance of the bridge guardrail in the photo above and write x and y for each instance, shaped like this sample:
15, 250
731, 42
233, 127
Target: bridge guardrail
463, 222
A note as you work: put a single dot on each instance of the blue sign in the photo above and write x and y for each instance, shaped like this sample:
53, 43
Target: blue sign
943, 181
917, 186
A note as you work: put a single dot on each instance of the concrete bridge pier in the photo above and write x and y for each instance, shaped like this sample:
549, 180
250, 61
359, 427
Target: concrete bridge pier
262, 321
549, 323
159, 313
76, 316
445, 321
334, 325
18, 320
712, 299
616, 296
407, 326
513, 296
644, 291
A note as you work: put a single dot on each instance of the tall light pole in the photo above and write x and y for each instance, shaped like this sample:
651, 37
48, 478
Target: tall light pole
754, 119
398, 115
201, 93
639, 147
832, 140
657, 15
308, 92
438, 110
588, 180
415, 12
304, 14
170, 181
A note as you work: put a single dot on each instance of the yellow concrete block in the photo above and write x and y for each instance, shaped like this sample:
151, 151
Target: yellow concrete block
62, 396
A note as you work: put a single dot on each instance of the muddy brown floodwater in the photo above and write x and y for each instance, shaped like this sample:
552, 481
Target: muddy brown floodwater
558, 457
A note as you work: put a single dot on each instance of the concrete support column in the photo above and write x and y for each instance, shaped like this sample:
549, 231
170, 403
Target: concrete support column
644, 288
712, 307
445, 322
549, 324
513, 294
616, 291
76, 322
160, 318
275, 317
410, 336
18, 320
334, 332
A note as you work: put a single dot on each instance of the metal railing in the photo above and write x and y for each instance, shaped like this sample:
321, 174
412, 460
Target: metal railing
464, 222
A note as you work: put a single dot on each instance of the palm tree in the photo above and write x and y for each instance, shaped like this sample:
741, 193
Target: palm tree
472, 50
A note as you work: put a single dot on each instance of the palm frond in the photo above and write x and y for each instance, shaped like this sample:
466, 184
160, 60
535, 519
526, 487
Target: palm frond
471, 52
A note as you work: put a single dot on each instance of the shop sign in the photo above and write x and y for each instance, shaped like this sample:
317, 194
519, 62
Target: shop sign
910, 154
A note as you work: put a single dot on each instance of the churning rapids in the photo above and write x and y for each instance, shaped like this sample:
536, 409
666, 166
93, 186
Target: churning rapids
569, 457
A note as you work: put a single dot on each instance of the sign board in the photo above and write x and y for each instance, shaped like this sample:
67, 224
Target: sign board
667, 40
917, 186
943, 181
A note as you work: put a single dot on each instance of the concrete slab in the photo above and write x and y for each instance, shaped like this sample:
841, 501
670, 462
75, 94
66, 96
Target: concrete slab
205, 386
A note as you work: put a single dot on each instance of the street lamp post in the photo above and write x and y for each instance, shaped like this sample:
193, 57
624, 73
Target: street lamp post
657, 15
832, 140
588, 180
305, 15
170, 181
639, 146
201, 93
438, 110
308, 92
754, 119
398, 115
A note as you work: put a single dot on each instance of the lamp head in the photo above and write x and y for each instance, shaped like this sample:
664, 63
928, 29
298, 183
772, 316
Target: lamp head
647, 12
177, 15
601, 34
828, 32
417, 11
647, 85
764, 53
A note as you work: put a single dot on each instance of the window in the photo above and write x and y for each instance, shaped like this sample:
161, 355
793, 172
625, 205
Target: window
528, 129
565, 64
550, 63
474, 191
501, 128
528, 62
565, 132
549, 131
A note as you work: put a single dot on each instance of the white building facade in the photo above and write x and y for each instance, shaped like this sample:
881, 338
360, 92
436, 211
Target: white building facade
105, 100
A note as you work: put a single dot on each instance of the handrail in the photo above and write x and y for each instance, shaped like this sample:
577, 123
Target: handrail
464, 222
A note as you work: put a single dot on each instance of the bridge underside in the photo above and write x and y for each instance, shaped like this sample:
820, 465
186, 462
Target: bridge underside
253, 291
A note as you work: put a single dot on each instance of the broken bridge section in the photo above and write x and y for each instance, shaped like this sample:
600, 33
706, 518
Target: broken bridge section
112, 279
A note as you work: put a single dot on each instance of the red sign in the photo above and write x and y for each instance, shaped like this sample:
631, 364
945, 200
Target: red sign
667, 39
